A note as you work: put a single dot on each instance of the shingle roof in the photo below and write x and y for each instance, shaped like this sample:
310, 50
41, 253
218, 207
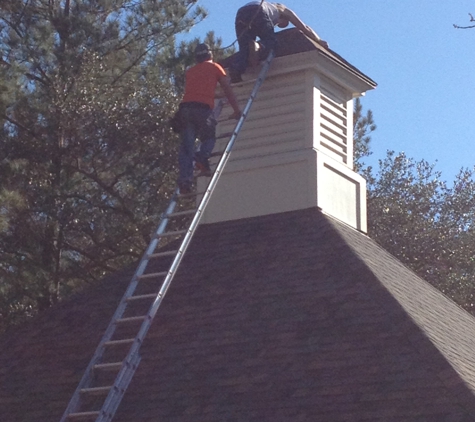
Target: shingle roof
286, 317
292, 41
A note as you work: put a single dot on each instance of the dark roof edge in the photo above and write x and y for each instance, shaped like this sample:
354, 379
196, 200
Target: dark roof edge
292, 41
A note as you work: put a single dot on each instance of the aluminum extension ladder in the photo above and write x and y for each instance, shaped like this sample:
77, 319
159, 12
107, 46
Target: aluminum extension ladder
87, 395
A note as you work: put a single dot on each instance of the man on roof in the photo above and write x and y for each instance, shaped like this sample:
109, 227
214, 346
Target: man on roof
257, 19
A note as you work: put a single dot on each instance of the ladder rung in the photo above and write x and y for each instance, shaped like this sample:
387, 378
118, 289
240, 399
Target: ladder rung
180, 213
140, 297
205, 175
96, 390
130, 319
160, 254
153, 275
119, 342
190, 195
83, 415
127, 368
218, 153
224, 135
108, 366
174, 233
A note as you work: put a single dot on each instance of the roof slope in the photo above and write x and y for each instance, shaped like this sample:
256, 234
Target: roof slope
286, 317
292, 41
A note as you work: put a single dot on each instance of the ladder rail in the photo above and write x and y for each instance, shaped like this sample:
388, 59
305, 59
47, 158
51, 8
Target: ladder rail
194, 224
203, 203
88, 373
132, 359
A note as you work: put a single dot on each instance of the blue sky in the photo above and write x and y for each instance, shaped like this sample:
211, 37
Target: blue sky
424, 104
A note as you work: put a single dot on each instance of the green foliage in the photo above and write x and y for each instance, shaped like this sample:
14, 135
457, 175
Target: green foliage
420, 219
363, 125
87, 158
405, 201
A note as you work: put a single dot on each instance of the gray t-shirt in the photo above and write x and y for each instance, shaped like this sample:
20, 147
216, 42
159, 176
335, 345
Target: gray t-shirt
269, 9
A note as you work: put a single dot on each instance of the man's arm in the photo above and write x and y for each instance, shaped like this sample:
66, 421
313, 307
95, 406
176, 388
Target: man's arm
228, 91
295, 20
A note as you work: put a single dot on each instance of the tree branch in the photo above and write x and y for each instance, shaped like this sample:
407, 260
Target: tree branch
14, 122
472, 19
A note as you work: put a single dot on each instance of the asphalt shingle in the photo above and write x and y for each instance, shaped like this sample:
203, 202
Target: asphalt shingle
287, 317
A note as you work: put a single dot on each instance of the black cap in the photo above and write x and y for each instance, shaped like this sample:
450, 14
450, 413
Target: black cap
202, 50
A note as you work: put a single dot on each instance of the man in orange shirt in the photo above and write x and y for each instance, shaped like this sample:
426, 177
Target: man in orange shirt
196, 114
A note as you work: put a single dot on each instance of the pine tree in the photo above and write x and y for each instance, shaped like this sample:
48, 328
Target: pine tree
363, 126
86, 154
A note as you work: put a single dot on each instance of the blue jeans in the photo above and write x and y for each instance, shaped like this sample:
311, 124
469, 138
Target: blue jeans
197, 122
246, 31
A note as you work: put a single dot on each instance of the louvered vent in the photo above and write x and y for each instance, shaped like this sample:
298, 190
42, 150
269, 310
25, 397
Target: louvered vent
333, 126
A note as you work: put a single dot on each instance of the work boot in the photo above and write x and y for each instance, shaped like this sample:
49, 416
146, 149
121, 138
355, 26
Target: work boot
235, 76
203, 167
185, 187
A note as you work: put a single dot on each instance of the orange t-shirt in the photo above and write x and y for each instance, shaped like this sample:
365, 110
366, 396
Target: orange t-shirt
201, 81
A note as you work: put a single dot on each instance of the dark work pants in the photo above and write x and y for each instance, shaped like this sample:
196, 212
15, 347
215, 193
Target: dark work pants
197, 122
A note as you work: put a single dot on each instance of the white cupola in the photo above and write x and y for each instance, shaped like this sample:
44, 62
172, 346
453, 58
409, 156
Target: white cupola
295, 149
